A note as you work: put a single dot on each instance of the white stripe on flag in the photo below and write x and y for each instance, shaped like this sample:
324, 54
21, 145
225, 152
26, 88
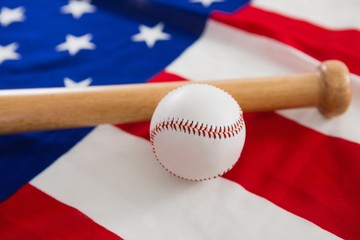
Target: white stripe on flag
112, 177
224, 52
328, 13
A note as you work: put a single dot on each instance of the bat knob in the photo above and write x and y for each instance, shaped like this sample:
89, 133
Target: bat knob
335, 88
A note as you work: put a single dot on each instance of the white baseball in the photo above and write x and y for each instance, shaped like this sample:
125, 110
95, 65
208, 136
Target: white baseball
197, 132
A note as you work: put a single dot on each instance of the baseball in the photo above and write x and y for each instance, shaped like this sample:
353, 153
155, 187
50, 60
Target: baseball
197, 132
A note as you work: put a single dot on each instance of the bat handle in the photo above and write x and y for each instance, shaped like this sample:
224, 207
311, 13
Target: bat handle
335, 88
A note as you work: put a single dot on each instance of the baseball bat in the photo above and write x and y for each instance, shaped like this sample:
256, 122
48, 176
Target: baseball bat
328, 88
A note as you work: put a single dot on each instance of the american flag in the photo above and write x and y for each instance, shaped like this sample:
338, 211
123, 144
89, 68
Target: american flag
298, 176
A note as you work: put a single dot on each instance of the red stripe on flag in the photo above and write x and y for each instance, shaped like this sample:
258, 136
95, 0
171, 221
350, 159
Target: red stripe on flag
320, 43
31, 214
307, 173
166, 77
140, 129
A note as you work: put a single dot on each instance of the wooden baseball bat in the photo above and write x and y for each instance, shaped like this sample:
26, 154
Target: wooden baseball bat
327, 88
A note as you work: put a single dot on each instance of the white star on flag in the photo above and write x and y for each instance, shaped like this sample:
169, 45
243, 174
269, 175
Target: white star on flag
8, 52
74, 44
150, 35
78, 8
8, 16
206, 3
69, 83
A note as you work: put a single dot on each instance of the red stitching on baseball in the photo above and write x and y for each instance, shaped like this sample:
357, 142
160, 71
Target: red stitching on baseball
186, 126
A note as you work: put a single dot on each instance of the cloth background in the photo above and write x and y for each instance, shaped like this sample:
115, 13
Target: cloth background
297, 177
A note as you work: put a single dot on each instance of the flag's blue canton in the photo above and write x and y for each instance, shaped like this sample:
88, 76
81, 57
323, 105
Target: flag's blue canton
113, 55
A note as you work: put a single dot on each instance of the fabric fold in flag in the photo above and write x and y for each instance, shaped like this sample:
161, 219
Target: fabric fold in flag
122, 172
